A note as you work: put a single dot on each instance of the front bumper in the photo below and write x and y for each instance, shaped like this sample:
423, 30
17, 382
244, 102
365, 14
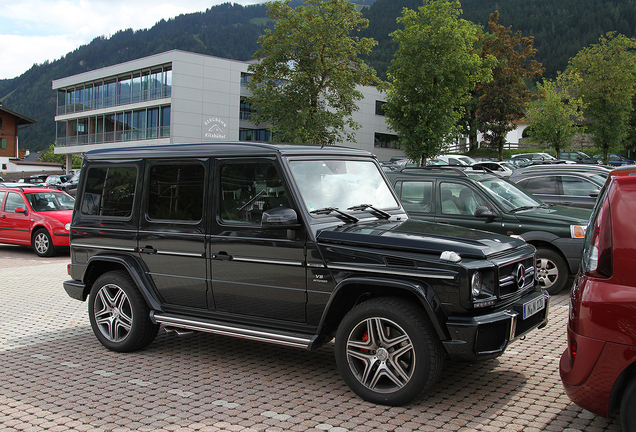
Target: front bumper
487, 336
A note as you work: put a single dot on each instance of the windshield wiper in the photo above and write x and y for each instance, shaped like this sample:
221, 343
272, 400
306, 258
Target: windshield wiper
522, 208
341, 214
376, 211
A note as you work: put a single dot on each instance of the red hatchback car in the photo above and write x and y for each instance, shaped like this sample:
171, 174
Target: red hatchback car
598, 368
37, 217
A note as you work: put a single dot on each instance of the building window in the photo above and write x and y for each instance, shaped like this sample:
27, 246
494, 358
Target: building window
1, 123
4, 143
136, 86
245, 110
386, 141
379, 107
150, 123
262, 135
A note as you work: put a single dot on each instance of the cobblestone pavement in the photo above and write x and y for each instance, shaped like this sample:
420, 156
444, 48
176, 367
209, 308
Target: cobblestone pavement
57, 377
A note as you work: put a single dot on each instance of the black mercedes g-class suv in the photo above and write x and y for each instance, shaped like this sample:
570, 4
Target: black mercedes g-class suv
295, 245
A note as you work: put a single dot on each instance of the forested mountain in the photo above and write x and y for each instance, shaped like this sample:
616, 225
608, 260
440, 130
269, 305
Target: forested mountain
560, 29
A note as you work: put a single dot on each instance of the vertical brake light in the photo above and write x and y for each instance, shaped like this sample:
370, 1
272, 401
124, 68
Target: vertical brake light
598, 252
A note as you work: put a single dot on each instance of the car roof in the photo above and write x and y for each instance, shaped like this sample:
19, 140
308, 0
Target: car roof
220, 150
624, 171
453, 171
25, 188
565, 167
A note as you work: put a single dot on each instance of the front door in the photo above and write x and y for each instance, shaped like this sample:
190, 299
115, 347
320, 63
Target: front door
258, 272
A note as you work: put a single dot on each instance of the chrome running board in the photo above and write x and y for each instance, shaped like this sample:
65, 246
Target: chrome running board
245, 332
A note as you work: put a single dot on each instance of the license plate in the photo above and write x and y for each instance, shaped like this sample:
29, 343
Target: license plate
533, 306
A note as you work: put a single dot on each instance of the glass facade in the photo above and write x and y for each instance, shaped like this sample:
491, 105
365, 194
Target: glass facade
132, 87
142, 124
116, 92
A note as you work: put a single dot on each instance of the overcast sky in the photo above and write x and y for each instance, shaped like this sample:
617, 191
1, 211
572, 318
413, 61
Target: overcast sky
33, 31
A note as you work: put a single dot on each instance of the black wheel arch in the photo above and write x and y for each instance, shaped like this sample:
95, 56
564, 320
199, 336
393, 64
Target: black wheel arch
354, 290
97, 265
619, 387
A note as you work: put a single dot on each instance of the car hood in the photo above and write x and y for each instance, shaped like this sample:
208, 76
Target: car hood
555, 215
420, 236
64, 216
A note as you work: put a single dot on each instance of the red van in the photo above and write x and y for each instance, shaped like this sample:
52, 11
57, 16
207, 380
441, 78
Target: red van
598, 368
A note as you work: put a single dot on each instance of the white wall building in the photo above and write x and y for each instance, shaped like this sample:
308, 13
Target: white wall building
179, 97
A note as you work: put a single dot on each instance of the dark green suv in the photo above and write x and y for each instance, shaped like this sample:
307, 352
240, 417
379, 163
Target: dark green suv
482, 200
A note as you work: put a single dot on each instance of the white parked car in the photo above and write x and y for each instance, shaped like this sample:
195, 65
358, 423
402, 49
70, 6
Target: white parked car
456, 159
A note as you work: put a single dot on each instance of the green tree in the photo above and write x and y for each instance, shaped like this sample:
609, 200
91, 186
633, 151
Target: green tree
432, 74
50, 156
603, 75
304, 85
502, 100
553, 116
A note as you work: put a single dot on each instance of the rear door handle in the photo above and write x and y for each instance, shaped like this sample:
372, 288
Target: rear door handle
222, 256
148, 250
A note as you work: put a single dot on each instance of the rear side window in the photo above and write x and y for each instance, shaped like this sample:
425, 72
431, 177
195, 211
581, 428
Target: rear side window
109, 191
14, 201
176, 192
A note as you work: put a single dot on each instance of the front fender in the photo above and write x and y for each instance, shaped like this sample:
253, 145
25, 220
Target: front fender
349, 290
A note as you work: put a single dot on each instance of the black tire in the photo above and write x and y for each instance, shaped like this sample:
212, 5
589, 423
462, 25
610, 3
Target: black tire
552, 270
627, 411
119, 315
387, 352
42, 243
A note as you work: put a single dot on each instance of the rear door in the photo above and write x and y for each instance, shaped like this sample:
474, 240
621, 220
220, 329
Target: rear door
15, 226
172, 231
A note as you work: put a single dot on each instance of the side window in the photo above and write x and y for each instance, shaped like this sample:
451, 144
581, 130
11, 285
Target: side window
176, 192
2, 193
14, 201
542, 185
249, 189
575, 186
459, 199
109, 191
416, 196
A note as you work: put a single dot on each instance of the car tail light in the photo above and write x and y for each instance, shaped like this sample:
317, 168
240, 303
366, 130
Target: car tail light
597, 256
572, 349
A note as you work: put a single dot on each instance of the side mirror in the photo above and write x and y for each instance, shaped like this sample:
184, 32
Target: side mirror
20, 210
484, 212
281, 217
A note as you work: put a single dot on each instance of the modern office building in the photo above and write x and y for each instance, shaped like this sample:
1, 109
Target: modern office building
179, 97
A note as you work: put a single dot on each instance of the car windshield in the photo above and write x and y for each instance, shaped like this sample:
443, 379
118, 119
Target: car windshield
341, 184
50, 201
508, 195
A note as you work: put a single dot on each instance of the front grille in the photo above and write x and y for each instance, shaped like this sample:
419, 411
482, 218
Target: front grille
492, 337
509, 274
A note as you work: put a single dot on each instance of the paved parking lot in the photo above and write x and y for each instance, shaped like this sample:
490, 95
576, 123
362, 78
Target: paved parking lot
57, 377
